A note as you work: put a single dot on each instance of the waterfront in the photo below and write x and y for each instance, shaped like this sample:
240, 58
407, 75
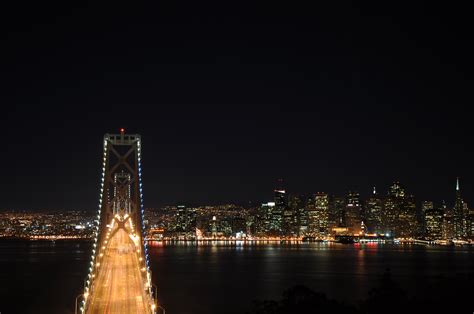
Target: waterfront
223, 278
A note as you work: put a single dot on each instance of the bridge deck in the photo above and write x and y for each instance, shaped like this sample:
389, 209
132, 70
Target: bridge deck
119, 287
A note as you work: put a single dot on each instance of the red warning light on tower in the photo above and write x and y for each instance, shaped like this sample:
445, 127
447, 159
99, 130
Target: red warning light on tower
122, 130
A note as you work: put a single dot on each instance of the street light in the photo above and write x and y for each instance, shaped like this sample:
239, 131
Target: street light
84, 295
75, 308
155, 290
155, 299
162, 308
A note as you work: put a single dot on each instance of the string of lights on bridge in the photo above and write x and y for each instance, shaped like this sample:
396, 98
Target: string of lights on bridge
97, 226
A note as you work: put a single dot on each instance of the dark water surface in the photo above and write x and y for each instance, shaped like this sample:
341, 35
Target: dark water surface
45, 277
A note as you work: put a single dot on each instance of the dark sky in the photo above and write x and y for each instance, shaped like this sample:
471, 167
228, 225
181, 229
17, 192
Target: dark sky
229, 97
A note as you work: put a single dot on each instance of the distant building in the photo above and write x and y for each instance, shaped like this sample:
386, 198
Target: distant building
407, 222
293, 215
185, 221
213, 227
426, 205
399, 212
396, 190
263, 219
448, 222
459, 217
281, 204
353, 212
433, 221
471, 224
373, 213
421, 216
336, 216
312, 216
321, 202
302, 218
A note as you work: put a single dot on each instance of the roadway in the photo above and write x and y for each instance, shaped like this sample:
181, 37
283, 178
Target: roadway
119, 287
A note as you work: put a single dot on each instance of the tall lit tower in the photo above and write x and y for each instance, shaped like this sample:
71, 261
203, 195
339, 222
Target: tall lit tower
458, 212
281, 203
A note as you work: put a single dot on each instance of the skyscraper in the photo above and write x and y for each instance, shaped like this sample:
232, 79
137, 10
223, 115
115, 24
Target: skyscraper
421, 216
337, 208
373, 212
322, 209
291, 216
448, 222
393, 209
407, 222
185, 219
396, 190
312, 218
263, 220
433, 221
470, 230
353, 212
468, 222
281, 203
458, 214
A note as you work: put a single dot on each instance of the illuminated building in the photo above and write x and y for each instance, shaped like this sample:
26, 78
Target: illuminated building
292, 219
399, 212
468, 222
185, 219
353, 212
433, 221
425, 206
213, 226
373, 213
321, 202
264, 218
407, 223
396, 190
277, 213
317, 208
459, 219
312, 223
281, 203
471, 224
448, 222
302, 221
336, 212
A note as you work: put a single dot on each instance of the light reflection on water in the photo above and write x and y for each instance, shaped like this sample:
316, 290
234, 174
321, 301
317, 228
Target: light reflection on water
218, 270
222, 277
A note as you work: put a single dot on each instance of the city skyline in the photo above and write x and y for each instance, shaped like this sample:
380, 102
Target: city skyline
379, 217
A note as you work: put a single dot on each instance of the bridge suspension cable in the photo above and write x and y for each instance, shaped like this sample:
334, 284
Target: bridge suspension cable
119, 276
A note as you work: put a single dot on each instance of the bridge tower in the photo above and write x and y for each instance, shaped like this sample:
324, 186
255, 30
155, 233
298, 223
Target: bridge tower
120, 206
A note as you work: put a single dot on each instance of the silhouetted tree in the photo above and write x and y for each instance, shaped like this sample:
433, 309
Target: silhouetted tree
443, 295
388, 297
302, 300
446, 295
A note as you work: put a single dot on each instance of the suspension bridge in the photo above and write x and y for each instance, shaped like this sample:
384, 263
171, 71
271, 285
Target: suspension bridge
119, 275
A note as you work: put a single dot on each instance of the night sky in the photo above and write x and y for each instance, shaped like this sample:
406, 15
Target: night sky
230, 97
